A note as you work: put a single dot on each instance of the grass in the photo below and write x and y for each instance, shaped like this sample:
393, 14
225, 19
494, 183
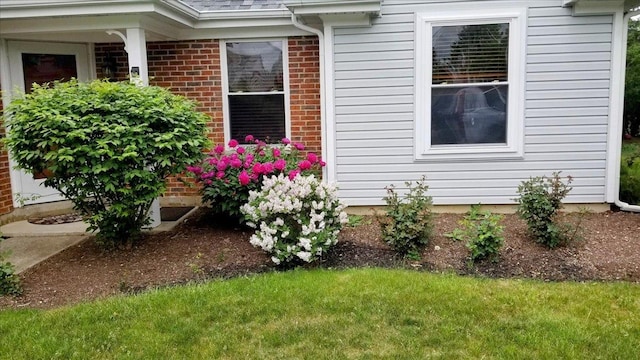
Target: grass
353, 314
630, 146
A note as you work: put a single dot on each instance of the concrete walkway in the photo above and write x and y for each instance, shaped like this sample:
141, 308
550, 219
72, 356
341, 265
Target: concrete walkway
30, 244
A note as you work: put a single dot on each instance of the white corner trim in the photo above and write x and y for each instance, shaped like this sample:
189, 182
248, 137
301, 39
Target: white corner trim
329, 83
616, 106
323, 98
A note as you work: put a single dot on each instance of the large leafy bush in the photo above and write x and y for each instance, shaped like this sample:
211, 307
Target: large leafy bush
107, 146
296, 219
228, 174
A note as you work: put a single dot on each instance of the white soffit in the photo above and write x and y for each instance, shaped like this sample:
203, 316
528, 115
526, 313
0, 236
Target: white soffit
588, 7
329, 7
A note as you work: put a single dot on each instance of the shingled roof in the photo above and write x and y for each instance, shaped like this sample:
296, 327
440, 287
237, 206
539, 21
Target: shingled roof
211, 5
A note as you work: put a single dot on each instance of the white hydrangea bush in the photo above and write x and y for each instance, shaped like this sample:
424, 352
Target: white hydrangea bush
295, 219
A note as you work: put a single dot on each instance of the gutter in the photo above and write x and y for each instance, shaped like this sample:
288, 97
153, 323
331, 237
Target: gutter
618, 155
323, 87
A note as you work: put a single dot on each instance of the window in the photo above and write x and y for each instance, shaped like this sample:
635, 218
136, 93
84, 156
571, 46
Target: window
255, 87
469, 84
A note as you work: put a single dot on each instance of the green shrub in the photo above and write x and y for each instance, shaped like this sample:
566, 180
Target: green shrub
408, 223
108, 147
539, 202
482, 232
630, 174
9, 281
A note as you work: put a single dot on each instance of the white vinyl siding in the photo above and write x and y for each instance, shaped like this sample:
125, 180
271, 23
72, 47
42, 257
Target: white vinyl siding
565, 108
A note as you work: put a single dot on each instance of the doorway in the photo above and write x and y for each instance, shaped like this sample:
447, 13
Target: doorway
39, 62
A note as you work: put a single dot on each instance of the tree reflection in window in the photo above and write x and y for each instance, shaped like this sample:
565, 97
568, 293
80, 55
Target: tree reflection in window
469, 84
255, 66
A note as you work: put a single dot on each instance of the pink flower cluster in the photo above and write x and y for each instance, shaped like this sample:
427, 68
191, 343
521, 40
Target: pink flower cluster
248, 164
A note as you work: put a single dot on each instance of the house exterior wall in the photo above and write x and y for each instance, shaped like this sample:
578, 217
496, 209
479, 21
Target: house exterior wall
6, 201
568, 66
192, 69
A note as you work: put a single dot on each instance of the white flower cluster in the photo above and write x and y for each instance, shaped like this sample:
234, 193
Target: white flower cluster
294, 219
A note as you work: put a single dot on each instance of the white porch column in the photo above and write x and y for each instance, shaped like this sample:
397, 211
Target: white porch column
137, 53
139, 74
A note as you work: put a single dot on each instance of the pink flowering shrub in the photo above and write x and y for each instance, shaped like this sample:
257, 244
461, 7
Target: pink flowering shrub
227, 175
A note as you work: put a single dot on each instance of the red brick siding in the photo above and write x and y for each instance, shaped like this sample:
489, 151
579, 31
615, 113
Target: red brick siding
6, 201
192, 69
304, 85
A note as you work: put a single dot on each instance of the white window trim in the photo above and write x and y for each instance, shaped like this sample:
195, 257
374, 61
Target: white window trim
225, 85
514, 148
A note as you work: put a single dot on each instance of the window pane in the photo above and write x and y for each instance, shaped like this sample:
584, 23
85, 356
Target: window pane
470, 53
259, 115
469, 115
254, 66
44, 68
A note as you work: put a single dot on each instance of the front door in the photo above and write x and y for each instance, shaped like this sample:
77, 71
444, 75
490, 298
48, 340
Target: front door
37, 62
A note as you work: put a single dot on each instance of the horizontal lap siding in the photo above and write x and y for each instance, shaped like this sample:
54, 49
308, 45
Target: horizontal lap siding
566, 109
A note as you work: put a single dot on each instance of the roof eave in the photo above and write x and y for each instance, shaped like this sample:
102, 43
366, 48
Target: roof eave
173, 9
601, 5
329, 7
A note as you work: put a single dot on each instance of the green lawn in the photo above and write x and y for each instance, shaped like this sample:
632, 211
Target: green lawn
630, 146
354, 314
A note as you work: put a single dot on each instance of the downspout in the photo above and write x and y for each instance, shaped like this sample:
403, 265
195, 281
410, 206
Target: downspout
323, 111
618, 155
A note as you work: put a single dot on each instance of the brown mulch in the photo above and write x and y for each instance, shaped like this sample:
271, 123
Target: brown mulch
201, 249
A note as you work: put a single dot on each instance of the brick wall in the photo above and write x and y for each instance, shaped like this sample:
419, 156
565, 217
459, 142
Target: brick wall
6, 202
192, 69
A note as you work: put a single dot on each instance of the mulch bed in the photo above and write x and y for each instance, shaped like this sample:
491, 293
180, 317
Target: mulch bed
204, 248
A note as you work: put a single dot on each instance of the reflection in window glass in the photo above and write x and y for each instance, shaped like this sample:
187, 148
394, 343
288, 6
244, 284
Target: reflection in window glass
44, 68
256, 90
254, 66
469, 84
469, 115
259, 115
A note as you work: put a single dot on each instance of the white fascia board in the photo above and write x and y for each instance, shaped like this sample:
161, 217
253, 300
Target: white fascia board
169, 9
68, 24
244, 18
27, 10
315, 7
594, 7
256, 32
244, 14
240, 23
567, 3
342, 20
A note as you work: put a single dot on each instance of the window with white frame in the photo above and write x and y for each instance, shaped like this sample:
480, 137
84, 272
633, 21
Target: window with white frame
469, 84
255, 88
